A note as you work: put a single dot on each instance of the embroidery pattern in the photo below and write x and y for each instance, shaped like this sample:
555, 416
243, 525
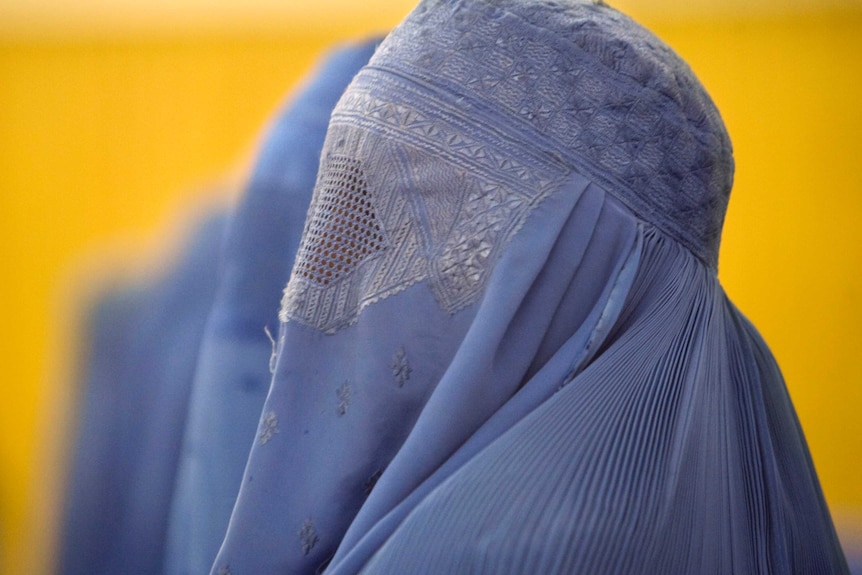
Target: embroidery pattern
343, 394
308, 536
447, 192
591, 85
269, 427
224, 570
401, 367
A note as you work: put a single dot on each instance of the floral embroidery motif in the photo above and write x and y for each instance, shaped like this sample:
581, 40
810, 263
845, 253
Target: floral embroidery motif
343, 394
308, 536
269, 427
401, 368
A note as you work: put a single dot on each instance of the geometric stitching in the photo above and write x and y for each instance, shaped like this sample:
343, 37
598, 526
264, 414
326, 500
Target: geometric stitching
592, 86
448, 195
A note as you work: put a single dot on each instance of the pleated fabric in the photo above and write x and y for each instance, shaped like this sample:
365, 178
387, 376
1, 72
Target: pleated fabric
144, 342
233, 370
675, 451
503, 345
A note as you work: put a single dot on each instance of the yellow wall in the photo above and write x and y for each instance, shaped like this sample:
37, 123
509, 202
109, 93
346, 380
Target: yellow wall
789, 90
103, 140
101, 137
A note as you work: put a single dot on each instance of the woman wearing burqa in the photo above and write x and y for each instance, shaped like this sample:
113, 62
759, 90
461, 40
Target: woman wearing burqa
504, 347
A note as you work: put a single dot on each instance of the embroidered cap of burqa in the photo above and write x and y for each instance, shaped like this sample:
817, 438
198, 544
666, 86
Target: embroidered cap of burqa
504, 345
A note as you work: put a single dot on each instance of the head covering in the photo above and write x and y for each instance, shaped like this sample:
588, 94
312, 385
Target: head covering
504, 346
138, 370
233, 374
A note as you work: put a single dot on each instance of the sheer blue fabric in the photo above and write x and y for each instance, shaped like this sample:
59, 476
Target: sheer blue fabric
504, 347
233, 373
143, 347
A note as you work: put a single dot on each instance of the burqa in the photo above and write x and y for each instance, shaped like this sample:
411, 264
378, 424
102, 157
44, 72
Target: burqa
504, 347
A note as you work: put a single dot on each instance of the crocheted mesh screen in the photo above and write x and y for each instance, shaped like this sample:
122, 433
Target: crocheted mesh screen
343, 229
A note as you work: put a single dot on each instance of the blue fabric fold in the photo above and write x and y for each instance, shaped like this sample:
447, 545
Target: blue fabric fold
675, 451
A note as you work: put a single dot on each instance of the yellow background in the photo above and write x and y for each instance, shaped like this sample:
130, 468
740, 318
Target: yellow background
115, 117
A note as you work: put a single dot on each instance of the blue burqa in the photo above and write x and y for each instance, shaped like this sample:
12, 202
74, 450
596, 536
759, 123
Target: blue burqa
504, 347
233, 374
138, 370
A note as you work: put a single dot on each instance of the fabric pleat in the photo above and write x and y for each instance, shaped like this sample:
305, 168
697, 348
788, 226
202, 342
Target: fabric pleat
668, 454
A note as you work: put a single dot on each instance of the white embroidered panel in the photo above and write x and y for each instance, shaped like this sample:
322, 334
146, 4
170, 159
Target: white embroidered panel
411, 188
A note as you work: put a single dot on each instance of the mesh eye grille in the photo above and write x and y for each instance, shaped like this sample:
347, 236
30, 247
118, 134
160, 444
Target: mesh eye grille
343, 229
